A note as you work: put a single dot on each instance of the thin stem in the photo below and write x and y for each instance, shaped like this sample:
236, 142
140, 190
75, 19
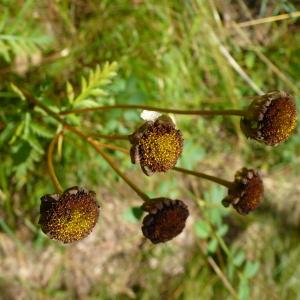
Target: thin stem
234, 112
89, 140
51, 169
112, 147
116, 169
111, 136
223, 182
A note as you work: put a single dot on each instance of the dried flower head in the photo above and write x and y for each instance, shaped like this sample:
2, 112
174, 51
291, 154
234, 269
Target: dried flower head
166, 219
247, 191
69, 217
156, 145
270, 118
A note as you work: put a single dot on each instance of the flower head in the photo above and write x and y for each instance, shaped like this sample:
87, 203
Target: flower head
156, 145
246, 193
270, 118
69, 217
166, 219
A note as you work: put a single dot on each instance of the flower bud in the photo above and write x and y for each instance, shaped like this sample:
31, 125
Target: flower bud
270, 118
69, 217
166, 219
156, 145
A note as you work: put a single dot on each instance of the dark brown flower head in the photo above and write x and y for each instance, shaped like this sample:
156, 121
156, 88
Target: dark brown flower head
156, 146
247, 191
166, 219
270, 118
69, 217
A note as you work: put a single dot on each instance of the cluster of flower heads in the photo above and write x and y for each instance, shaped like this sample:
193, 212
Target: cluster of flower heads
156, 146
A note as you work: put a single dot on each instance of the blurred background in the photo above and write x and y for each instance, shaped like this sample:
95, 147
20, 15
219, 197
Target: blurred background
188, 54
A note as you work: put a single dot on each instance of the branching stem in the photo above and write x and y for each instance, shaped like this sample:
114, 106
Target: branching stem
90, 141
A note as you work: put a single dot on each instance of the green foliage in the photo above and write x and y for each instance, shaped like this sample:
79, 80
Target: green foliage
132, 214
19, 35
168, 54
91, 87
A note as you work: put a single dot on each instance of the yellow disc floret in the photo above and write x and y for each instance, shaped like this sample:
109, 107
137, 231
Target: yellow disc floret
69, 217
271, 118
157, 146
160, 148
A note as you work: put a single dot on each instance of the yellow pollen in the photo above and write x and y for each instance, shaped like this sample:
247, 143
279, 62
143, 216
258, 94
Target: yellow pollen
160, 151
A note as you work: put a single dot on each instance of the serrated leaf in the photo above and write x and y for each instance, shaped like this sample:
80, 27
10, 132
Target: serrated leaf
91, 87
88, 103
41, 130
22, 153
70, 92
17, 132
35, 144
83, 84
73, 120
17, 91
26, 125
98, 92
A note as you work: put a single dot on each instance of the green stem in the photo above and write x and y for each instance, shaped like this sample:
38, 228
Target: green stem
233, 112
51, 169
223, 182
90, 141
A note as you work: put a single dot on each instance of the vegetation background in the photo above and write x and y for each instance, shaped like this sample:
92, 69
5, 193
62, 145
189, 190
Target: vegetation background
184, 54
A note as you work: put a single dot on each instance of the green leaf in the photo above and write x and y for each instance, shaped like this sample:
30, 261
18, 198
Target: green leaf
17, 132
132, 214
35, 144
212, 246
70, 92
41, 130
239, 258
86, 104
222, 230
202, 229
244, 290
96, 79
251, 268
17, 91
22, 153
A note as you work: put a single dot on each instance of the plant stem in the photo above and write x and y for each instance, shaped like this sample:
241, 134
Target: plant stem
234, 112
112, 147
111, 136
90, 141
51, 169
223, 182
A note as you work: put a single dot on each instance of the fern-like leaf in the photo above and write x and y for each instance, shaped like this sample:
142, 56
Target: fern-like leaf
92, 86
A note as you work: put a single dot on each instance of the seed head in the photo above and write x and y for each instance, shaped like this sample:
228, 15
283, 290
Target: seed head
69, 217
156, 146
270, 118
166, 219
246, 193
